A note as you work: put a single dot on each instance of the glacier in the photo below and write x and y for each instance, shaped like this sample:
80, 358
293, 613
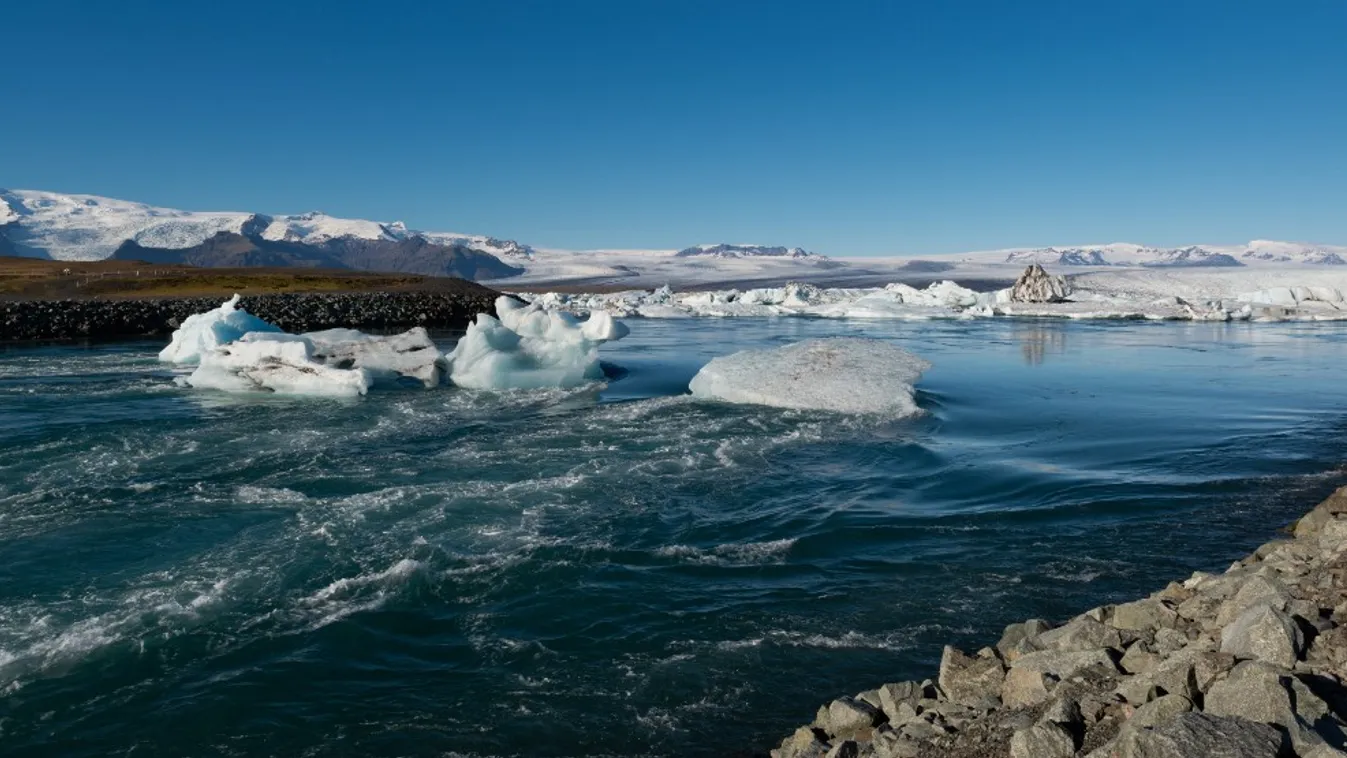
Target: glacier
529, 346
840, 374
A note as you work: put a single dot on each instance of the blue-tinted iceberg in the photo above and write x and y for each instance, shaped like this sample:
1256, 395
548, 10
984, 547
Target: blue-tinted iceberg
530, 347
843, 374
203, 332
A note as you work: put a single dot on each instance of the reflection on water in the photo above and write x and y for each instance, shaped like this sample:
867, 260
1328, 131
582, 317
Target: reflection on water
1038, 340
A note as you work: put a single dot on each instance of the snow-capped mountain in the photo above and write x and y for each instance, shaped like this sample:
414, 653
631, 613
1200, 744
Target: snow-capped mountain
748, 251
88, 227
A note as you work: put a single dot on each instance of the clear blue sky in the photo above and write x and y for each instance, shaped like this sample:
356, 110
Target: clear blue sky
844, 127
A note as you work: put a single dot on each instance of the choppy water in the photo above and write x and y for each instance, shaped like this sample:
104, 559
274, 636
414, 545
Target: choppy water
630, 572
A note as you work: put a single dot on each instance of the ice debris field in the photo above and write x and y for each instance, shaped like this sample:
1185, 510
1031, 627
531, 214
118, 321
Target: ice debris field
523, 347
1181, 295
537, 341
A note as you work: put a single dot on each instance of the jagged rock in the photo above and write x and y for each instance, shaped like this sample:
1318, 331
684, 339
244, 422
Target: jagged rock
1025, 687
1265, 633
891, 696
1066, 664
1158, 711
847, 716
1255, 691
1021, 638
804, 743
1138, 659
1038, 286
1143, 615
1334, 505
1176, 676
845, 749
1168, 641
967, 679
1043, 740
1082, 633
1198, 734
1259, 590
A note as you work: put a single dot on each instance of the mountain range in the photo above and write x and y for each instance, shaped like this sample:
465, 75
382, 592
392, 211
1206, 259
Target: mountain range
87, 227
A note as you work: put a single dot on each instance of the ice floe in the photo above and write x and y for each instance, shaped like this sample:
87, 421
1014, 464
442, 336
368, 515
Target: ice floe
528, 346
842, 374
279, 363
203, 332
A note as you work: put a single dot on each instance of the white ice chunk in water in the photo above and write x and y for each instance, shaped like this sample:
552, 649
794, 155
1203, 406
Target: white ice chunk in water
279, 363
410, 354
203, 332
843, 374
530, 347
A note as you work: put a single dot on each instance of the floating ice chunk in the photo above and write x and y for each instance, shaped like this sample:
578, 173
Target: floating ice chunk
530, 347
844, 374
410, 354
280, 363
203, 332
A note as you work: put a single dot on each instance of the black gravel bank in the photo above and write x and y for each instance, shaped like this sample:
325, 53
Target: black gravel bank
27, 320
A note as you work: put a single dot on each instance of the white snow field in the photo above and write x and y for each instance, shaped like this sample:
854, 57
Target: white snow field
1303, 292
201, 333
841, 374
531, 347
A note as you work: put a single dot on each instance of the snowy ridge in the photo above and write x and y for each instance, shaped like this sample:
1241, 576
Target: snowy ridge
89, 227
316, 227
723, 250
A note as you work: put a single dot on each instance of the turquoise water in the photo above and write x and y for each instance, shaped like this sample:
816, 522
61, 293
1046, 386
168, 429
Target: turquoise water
627, 572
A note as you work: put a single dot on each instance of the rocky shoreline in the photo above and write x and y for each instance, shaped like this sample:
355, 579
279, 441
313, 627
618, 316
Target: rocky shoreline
1249, 663
37, 320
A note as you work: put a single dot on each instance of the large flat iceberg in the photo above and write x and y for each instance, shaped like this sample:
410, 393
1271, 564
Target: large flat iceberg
531, 347
238, 352
203, 332
283, 364
842, 374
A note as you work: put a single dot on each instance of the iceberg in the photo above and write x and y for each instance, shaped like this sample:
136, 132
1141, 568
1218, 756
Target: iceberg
841, 374
279, 363
531, 347
203, 332
411, 354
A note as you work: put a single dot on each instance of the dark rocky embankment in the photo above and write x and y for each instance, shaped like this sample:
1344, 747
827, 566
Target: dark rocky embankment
1249, 663
27, 320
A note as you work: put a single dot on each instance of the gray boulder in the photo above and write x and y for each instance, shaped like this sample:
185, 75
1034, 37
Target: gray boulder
1066, 664
1043, 740
1159, 711
1265, 633
1189, 735
1256, 691
967, 679
1024, 687
1258, 590
1143, 615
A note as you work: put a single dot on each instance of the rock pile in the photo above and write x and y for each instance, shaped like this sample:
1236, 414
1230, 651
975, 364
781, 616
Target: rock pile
1250, 663
1038, 286
102, 319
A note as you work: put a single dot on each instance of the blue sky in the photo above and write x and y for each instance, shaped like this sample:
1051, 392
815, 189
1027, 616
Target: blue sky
843, 127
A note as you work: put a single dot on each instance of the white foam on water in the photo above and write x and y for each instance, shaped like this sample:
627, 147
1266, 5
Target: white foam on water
749, 553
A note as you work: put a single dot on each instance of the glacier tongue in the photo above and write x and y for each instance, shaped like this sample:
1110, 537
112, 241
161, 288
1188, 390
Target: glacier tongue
841, 374
530, 347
